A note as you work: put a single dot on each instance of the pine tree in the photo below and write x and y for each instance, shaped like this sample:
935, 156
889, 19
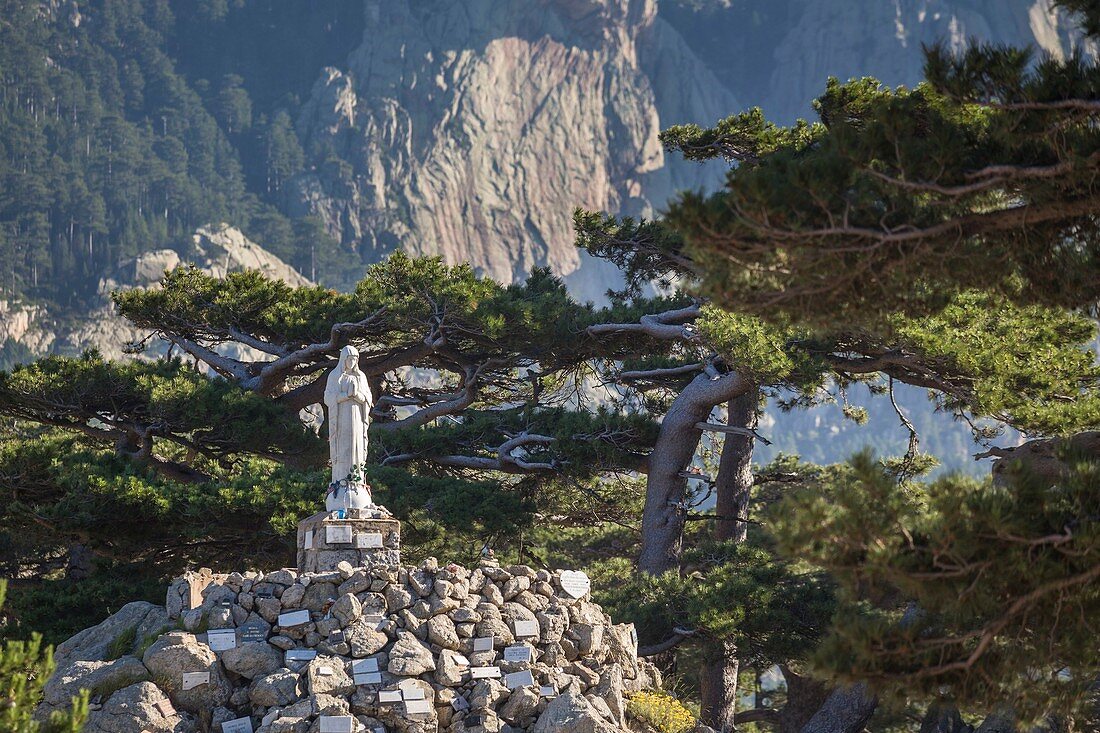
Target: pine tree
25, 666
900, 199
961, 355
947, 226
283, 154
233, 105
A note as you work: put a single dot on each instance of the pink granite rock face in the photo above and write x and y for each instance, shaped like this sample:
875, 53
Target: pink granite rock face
473, 129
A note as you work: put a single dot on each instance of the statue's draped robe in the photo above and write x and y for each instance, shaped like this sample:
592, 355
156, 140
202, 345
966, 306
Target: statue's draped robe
348, 398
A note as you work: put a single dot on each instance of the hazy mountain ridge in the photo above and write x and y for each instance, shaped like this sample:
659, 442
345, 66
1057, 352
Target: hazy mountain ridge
777, 55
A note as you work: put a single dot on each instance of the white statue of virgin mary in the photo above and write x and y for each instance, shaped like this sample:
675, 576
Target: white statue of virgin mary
349, 401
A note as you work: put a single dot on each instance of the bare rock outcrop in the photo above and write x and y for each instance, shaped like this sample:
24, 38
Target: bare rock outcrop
216, 250
25, 324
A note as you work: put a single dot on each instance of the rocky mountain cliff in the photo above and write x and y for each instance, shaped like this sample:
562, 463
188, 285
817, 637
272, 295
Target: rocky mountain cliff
473, 129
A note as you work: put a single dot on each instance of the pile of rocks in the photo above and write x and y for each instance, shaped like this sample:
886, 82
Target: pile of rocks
360, 649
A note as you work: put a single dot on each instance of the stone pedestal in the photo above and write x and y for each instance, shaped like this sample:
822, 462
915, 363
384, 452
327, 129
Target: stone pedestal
362, 537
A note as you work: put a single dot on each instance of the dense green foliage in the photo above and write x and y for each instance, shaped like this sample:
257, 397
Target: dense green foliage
901, 199
24, 668
133, 405
974, 590
121, 132
941, 237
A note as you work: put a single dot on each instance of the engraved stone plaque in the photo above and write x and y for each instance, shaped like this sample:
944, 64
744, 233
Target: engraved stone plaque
575, 583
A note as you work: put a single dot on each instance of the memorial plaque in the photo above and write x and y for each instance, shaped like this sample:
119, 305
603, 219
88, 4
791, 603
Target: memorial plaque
483, 644
575, 583
253, 632
473, 721
375, 620
517, 654
307, 540
192, 680
519, 679
368, 540
362, 666
418, 707
300, 655
164, 705
336, 637
526, 628
548, 691
325, 671
294, 618
338, 724
338, 535
240, 725
196, 584
412, 693
460, 660
368, 678
480, 673
389, 696
460, 704
221, 639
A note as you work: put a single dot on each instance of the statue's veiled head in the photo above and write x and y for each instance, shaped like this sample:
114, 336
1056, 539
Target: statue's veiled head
349, 358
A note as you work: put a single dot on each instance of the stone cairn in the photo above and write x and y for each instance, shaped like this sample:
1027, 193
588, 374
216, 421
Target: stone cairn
352, 642
372, 649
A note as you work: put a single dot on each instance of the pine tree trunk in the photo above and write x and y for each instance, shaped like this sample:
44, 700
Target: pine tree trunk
677, 441
999, 721
944, 719
805, 696
733, 487
718, 687
81, 562
846, 710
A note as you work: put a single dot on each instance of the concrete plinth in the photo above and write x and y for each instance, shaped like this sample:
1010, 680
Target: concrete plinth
324, 541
